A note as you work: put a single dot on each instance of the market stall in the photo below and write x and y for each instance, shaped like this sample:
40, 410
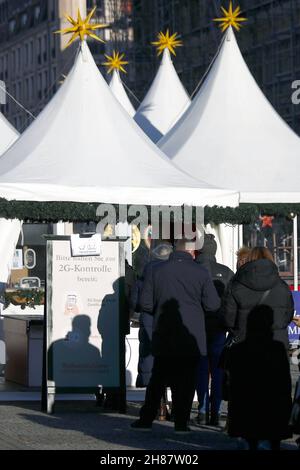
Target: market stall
84, 150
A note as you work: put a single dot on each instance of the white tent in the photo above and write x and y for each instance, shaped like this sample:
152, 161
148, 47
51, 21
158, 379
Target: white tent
165, 101
231, 135
8, 134
9, 229
118, 90
84, 147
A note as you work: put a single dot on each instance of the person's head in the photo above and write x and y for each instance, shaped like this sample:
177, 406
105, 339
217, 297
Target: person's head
260, 252
162, 251
187, 246
209, 246
82, 323
243, 256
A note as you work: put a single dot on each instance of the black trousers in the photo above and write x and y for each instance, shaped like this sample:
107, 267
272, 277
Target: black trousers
178, 373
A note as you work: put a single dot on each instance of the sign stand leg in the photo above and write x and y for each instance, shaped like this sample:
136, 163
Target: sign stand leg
50, 402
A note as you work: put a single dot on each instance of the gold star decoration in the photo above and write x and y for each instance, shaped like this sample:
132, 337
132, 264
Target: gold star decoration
231, 18
115, 62
165, 41
81, 28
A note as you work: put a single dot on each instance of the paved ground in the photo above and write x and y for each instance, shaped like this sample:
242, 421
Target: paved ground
82, 426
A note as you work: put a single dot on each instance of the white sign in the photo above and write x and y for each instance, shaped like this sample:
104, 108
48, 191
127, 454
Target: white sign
18, 259
86, 246
83, 316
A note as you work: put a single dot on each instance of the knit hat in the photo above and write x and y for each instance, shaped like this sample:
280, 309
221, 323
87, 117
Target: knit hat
210, 245
162, 251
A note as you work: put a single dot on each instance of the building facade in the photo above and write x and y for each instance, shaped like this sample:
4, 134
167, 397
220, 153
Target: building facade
34, 60
269, 41
117, 14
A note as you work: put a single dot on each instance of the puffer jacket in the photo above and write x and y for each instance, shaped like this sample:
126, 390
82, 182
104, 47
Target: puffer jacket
246, 291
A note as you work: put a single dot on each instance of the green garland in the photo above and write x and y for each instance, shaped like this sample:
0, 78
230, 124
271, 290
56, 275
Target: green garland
52, 212
25, 297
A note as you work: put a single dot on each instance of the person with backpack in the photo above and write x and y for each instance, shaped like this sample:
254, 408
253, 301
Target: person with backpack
209, 366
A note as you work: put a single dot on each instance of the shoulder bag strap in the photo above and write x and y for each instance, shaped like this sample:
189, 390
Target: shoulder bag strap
265, 295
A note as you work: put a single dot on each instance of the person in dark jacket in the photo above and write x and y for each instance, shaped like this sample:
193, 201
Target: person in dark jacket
255, 279
258, 308
260, 402
176, 292
159, 254
209, 405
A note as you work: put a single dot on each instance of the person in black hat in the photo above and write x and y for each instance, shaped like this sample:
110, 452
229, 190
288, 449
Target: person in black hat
210, 404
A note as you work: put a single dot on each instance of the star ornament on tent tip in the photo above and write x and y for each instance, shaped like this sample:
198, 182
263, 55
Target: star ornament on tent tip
231, 18
165, 41
115, 62
82, 27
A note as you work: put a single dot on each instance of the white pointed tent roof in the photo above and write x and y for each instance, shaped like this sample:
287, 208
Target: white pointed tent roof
84, 147
8, 134
231, 135
118, 90
165, 101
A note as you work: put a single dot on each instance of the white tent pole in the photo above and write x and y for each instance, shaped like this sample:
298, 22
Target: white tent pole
295, 244
241, 236
235, 246
59, 228
124, 229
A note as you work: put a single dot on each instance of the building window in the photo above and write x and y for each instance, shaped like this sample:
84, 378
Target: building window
54, 78
26, 89
45, 84
31, 52
39, 56
24, 18
20, 90
53, 50
40, 86
15, 93
52, 10
26, 54
12, 26
32, 94
45, 48
6, 66
37, 12
13, 60
18, 59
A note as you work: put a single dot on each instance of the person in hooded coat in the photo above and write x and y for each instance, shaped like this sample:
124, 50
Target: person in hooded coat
259, 405
260, 275
258, 308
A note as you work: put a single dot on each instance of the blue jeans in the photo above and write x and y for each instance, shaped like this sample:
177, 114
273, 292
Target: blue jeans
209, 365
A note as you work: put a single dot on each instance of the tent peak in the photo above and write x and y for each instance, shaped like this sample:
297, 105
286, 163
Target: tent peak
165, 101
166, 58
231, 135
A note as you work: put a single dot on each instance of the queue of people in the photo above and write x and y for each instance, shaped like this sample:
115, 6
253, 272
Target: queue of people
197, 312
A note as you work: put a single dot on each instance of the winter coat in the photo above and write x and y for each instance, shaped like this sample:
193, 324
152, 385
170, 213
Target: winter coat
221, 276
245, 292
176, 293
146, 358
259, 404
